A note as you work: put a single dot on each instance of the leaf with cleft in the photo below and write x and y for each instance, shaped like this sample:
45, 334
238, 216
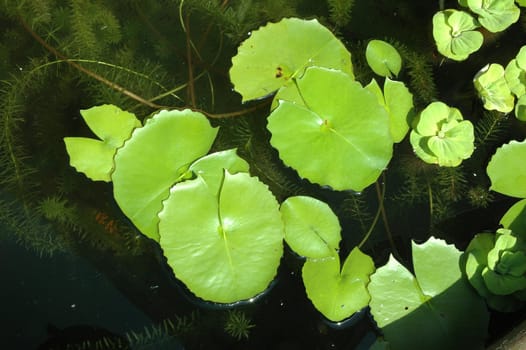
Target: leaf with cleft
278, 52
223, 244
495, 15
341, 139
338, 294
95, 157
438, 304
312, 229
383, 58
153, 159
493, 89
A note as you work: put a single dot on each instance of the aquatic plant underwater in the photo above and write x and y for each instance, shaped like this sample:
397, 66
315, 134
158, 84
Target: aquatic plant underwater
332, 118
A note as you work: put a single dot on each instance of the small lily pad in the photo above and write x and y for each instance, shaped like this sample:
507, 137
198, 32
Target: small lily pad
278, 52
222, 243
95, 157
338, 294
507, 169
383, 58
312, 229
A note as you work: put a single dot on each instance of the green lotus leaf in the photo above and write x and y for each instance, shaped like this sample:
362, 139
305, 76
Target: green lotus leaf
223, 243
156, 156
520, 108
495, 15
312, 229
338, 294
454, 34
438, 304
212, 166
398, 102
493, 89
515, 78
383, 58
507, 169
95, 157
441, 136
341, 139
515, 218
278, 52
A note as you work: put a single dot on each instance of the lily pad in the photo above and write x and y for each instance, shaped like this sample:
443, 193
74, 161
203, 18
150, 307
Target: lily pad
312, 229
278, 52
95, 157
507, 169
398, 102
495, 15
493, 89
515, 218
437, 303
383, 58
441, 136
455, 35
223, 244
153, 159
341, 139
338, 294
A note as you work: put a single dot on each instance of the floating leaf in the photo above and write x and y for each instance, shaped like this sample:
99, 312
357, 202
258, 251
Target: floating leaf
383, 58
455, 35
338, 294
495, 15
520, 108
493, 89
341, 139
278, 52
224, 243
398, 102
441, 135
438, 304
95, 157
515, 78
153, 159
312, 229
515, 218
507, 169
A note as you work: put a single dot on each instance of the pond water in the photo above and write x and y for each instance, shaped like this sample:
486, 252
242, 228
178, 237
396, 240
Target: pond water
78, 274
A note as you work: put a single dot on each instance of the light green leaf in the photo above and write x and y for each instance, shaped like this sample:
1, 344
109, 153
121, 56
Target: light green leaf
515, 78
95, 157
341, 140
493, 89
441, 136
438, 304
383, 58
515, 218
154, 158
338, 295
455, 35
521, 3
520, 108
500, 284
495, 15
223, 244
312, 229
212, 166
507, 169
278, 52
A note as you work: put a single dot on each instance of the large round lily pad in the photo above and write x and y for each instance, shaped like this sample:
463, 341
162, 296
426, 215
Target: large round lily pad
153, 159
224, 243
337, 137
278, 52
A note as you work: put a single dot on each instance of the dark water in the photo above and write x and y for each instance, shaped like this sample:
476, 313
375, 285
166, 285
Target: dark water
92, 282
